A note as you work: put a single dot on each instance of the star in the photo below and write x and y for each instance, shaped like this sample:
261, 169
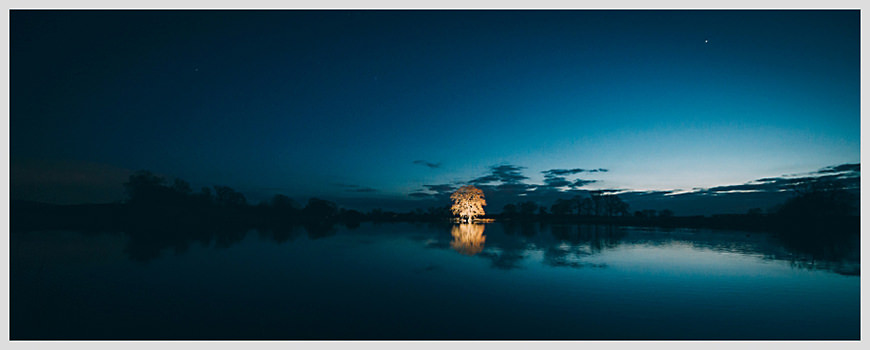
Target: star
706, 41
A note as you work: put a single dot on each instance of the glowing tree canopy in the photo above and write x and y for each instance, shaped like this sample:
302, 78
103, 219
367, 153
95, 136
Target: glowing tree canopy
468, 203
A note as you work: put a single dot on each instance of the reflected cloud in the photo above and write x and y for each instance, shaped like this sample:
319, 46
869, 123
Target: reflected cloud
468, 239
428, 164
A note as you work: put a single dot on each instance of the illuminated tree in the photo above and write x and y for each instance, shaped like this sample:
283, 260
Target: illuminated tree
468, 239
468, 202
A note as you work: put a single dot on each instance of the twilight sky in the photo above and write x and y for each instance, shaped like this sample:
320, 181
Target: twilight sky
376, 105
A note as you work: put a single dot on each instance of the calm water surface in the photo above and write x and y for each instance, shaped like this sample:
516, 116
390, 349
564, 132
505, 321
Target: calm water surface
426, 281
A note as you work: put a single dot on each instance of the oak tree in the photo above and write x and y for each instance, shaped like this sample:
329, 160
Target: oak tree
468, 203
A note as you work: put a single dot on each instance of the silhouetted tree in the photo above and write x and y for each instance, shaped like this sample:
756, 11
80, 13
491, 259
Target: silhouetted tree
646, 213
228, 197
377, 214
528, 208
320, 210
562, 207
283, 203
815, 186
585, 206
279, 210
666, 213
143, 187
205, 195
819, 203
181, 186
597, 203
509, 210
352, 218
613, 205
439, 212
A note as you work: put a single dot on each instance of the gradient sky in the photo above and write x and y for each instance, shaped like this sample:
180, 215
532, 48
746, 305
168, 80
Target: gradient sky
342, 103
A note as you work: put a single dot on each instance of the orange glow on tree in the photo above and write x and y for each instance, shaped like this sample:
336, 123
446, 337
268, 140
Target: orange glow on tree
468, 202
468, 239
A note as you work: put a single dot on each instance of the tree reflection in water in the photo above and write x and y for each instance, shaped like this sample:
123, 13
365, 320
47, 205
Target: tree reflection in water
468, 239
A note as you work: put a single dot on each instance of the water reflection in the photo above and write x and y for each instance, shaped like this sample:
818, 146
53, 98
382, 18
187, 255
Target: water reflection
511, 245
566, 245
468, 239
579, 282
577, 242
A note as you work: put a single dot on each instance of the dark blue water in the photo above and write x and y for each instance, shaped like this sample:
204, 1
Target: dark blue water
421, 281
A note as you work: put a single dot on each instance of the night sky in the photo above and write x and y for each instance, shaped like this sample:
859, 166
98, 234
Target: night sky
396, 108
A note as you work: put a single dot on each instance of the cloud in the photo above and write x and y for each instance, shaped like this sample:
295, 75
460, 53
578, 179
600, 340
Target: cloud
610, 190
844, 176
556, 181
362, 190
639, 194
506, 183
501, 173
764, 193
582, 182
556, 178
441, 188
503, 180
355, 188
428, 164
841, 168
515, 187
563, 172
484, 180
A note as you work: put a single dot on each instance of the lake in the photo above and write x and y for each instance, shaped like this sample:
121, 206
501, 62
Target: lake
395, 281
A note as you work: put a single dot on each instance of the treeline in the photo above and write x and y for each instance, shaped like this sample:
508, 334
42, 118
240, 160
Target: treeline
814, 207
596, 204
154, 203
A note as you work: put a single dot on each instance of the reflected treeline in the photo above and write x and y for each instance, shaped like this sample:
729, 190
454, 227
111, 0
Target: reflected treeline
149, 242
561, 245
508, 244
596, 237
839, 253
